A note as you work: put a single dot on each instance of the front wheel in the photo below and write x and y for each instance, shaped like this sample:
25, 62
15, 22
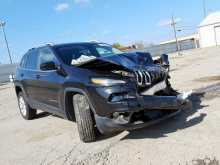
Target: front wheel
83, 116
26, 111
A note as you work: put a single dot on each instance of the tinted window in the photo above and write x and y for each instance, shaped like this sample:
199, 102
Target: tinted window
47, 55
104, 52
32, 61
76, 53
23, 62
68, 53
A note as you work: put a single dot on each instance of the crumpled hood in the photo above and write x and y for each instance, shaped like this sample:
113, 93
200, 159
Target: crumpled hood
132, 60
141, 64
136, 60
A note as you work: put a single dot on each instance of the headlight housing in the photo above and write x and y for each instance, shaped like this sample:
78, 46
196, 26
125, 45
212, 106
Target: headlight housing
106, 81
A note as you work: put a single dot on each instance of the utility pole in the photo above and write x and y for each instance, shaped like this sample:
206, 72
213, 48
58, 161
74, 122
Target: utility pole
174, 28
204, 8
2, 25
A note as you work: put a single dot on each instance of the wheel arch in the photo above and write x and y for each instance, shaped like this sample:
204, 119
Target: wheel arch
19, 88
68, 103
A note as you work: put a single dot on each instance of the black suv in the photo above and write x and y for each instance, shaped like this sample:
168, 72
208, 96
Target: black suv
96, 85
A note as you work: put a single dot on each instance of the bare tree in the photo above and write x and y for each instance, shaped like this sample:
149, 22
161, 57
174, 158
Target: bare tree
143, 44
151, 44
140, 44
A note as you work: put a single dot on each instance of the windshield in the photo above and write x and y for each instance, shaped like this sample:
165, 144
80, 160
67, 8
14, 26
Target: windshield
79, 53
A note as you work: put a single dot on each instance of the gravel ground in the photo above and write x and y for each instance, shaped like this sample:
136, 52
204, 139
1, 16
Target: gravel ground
191, 137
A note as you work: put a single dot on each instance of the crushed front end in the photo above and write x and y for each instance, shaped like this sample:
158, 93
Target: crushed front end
143, 95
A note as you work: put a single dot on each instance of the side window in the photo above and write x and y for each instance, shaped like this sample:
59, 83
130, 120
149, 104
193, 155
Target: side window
23, 62
47, 55
32, 61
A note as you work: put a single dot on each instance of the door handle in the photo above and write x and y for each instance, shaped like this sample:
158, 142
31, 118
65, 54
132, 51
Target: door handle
37, 76
22, 74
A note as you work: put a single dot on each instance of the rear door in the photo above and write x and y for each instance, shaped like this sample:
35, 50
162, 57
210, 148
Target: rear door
28, 75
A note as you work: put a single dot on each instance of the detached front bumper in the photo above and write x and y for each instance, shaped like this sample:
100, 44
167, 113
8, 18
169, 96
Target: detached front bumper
145, 111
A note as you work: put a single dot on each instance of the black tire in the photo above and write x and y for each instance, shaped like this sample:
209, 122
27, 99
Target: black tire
30, 113
84, 118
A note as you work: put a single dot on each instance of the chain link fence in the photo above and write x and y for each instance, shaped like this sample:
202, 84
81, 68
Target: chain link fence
167, 48
6, 70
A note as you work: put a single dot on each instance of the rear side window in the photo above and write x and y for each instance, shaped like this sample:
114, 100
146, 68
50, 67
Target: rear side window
23, 62
32, 61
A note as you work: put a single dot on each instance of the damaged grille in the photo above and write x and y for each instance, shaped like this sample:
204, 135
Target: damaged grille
143, 78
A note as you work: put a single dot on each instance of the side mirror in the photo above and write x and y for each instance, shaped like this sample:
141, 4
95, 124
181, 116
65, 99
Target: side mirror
48, 66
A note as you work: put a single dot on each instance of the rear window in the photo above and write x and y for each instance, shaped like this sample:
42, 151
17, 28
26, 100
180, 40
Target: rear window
32, 61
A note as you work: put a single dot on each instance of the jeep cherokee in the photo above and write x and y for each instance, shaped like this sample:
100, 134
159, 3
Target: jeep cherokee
96, 85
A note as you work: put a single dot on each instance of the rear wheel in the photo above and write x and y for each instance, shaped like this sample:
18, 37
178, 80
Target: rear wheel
84, 118
26, 111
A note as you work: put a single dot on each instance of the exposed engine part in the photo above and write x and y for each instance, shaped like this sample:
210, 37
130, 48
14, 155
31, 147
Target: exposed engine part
123, 73
122, 118
169, 91
149, 115
163, 61
140, 116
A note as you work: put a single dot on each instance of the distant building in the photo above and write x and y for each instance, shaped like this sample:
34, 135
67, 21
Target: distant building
186, 38
209, 30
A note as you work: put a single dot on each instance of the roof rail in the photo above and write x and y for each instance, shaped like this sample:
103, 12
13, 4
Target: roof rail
93, 41
46, 44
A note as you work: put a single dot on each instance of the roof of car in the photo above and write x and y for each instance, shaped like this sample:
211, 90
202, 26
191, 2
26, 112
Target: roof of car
76, 43
63, 44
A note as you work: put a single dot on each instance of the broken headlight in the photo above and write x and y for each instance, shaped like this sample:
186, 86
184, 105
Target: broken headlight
108, 81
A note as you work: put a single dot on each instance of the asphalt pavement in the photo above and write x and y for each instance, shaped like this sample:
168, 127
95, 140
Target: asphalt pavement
191, 137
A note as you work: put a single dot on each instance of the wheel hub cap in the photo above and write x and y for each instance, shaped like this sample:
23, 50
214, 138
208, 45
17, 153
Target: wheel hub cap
22, 106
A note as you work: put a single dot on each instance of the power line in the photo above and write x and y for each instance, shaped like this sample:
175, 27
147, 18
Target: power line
187, 26
42, 30
184, 29
87, 34
189, 29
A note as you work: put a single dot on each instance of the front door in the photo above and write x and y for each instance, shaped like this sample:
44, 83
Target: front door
48, 87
